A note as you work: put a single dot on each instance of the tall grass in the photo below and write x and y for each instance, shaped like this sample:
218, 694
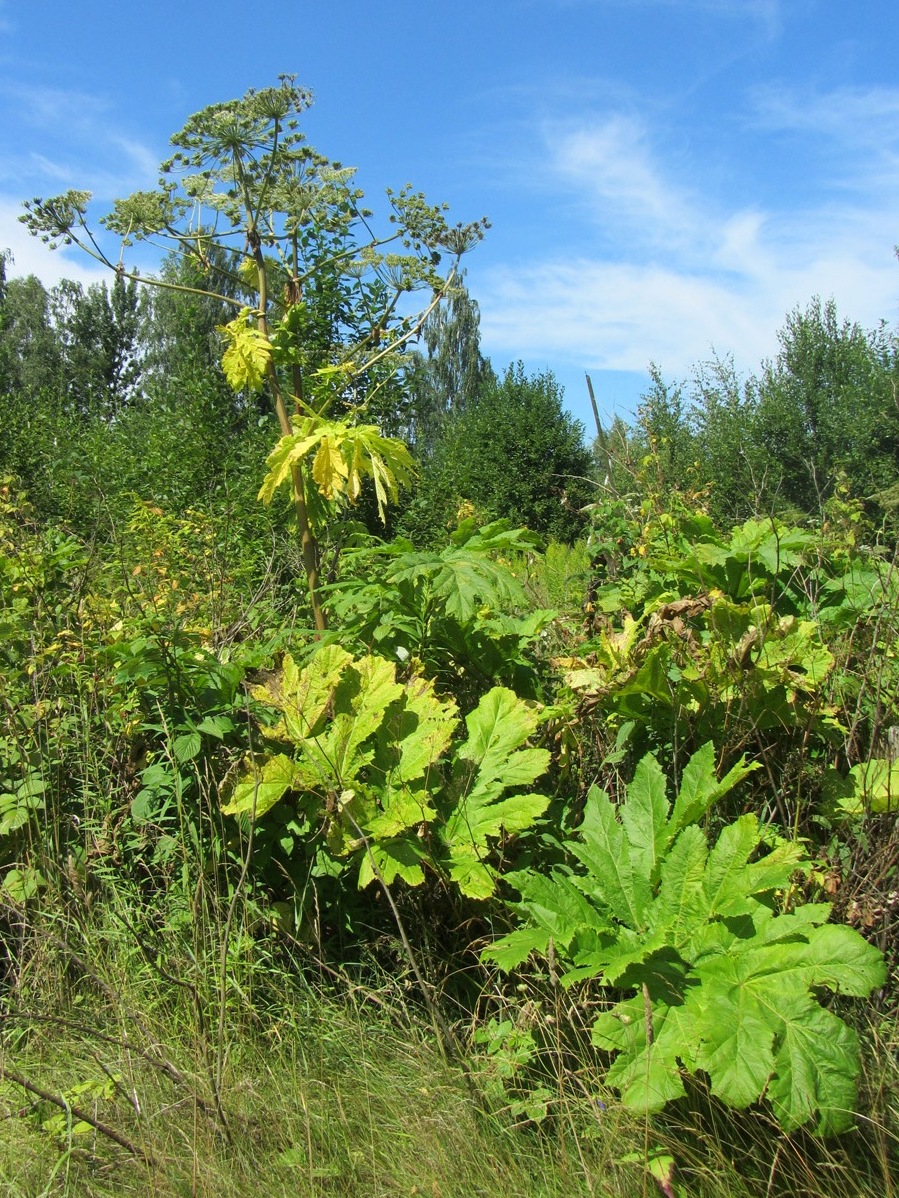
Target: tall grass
322, 1085
322, 1091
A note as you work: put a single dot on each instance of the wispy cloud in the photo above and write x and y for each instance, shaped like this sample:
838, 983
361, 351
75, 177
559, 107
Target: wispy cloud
848, 113
855, 131
677, 269
767, 13
48, 108
610, 166
66, 127
75, 142
32, 257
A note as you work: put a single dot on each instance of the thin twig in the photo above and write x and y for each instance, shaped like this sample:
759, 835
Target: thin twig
104, 1129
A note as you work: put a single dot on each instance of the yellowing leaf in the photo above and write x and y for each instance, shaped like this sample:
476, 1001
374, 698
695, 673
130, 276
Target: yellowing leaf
289, 451
329, 470
305, 694
382, 480
248, 273
258, 792
357, 469
248, 355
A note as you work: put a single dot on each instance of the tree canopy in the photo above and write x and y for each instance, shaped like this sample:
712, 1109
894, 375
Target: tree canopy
512, 452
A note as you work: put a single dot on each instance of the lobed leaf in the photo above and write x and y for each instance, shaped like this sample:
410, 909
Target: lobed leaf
644, 817
258, 792
605, 851
248, 356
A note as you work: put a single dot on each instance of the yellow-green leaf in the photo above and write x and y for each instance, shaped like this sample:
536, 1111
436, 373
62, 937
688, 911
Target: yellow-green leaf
304, 695
248, 355
289, 451
329, 470
258, 792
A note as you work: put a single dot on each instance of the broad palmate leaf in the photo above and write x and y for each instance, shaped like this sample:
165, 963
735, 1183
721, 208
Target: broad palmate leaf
491, 762
371, 770
248, 354
344, 455
723, 983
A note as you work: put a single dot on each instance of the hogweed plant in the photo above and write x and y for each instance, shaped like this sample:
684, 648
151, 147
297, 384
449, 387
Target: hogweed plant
719, 974
317, 295
375, 780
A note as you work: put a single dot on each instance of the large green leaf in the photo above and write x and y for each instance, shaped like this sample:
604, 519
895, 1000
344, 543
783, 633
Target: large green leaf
612, 879
366, 690
735, 1044
392, 858
682, 904
557, 906
725, 984
497, 728
415, 734
725, 881
258, 792
490, 762
646, 1073
815, 1073
644, 818
370, 772
700, 786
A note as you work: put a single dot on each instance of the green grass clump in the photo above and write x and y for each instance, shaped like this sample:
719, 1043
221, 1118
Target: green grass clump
307, 1092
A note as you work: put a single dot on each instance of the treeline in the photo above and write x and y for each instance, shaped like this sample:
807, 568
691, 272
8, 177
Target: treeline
823, 413
111, 391
107, 393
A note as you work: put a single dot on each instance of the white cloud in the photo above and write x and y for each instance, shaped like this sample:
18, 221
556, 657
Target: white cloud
32, 257
767, 13
854, 116
611, 165
621, 316
676, 271
75, 142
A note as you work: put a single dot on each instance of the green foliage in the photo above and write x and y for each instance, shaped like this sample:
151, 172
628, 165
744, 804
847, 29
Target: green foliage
370, 780
734, 636
870, 788
70, 364
780, 440
454, 611
662, 436
452, 374
725, 984
508, 1052
827, 404
97, 333
514, 453
398, 752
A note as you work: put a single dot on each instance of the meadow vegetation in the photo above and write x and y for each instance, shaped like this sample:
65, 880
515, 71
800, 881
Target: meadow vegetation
397, 796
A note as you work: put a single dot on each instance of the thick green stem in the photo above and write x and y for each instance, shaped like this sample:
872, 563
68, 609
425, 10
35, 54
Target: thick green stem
308, 543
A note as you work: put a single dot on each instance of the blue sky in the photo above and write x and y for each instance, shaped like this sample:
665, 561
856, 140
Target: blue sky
665, 178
